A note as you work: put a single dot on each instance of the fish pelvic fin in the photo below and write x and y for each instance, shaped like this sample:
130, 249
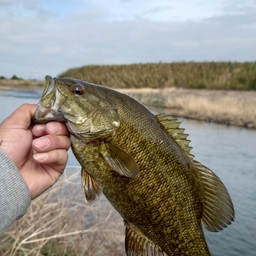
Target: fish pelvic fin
92, 190
218, 209
136, 244
119, 160
172, 126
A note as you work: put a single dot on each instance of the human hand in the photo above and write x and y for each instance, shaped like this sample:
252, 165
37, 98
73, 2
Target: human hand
39, 151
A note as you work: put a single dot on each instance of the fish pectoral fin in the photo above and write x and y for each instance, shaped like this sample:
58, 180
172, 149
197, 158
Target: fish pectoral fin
218, 209
136, 243
91, 188
119, 160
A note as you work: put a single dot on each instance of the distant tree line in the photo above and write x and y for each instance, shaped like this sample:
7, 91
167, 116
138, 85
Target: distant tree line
14, 77
197, 75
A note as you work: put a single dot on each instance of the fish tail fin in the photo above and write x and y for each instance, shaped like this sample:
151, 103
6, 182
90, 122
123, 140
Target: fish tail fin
218, 209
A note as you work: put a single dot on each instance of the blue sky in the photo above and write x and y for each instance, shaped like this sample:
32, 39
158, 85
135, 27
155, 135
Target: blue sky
46, 37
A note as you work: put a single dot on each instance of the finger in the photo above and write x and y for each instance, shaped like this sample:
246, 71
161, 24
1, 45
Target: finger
53, 163
51, 142
55, 128
15, 121
57, 157
39, 130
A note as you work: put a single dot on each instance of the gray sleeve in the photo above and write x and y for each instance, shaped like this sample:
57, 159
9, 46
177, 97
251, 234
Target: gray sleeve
15, 196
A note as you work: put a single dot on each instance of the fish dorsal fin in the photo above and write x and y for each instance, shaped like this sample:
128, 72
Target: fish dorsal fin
119, 160
138, 244
91, 188
172, 126
218, 209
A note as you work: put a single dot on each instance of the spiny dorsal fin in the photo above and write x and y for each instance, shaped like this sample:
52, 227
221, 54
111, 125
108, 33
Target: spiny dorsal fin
218, 210
172, 127
119, 160
91, 188
138, 244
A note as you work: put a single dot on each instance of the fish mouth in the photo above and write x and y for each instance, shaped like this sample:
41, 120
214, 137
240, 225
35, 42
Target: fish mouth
49, 106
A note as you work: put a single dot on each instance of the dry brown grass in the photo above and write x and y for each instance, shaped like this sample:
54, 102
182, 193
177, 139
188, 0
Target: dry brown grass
21, 84
228, 107
60, 223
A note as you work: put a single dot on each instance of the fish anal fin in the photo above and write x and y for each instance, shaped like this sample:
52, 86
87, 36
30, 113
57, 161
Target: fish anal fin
119, 160
172, 127
218, 209
136, 244
91, 188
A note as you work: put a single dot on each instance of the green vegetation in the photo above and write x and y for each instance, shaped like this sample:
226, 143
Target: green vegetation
14, 77
194, 75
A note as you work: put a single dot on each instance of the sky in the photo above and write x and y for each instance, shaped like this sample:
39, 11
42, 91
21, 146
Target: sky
47, 37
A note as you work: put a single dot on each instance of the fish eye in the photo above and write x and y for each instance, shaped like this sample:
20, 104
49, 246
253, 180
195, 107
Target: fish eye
77, 89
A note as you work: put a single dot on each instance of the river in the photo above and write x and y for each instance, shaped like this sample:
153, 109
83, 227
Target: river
229, 151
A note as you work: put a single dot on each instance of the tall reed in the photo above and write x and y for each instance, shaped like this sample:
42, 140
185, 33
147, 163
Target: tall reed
227, 107
199, 75
59, 222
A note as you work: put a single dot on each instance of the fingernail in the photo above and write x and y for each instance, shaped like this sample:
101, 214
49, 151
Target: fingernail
40, 157
54, 127
41, 143
39, 127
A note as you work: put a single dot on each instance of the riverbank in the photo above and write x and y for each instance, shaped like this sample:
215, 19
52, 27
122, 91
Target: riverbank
17, 84
236, 108
228, 107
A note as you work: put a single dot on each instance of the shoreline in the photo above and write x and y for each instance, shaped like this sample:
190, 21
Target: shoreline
23, 85
237, 108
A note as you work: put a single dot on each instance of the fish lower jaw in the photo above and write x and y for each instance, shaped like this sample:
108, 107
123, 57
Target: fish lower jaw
44, 115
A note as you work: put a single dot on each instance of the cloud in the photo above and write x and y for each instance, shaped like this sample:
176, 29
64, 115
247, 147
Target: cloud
55, 39
239, 7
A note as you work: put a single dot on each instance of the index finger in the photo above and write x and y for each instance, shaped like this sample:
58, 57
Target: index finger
57, 128
51, 128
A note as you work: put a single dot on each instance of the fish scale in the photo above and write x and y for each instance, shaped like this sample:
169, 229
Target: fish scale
137, 216
142, 163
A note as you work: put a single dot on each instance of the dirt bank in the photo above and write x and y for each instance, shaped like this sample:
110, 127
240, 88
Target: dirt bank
21, 84
227, 107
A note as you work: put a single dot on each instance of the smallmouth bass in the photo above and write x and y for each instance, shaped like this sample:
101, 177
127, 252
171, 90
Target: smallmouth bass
142, 164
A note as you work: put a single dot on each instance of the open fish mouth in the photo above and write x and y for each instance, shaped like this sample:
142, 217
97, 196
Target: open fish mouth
49, 106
